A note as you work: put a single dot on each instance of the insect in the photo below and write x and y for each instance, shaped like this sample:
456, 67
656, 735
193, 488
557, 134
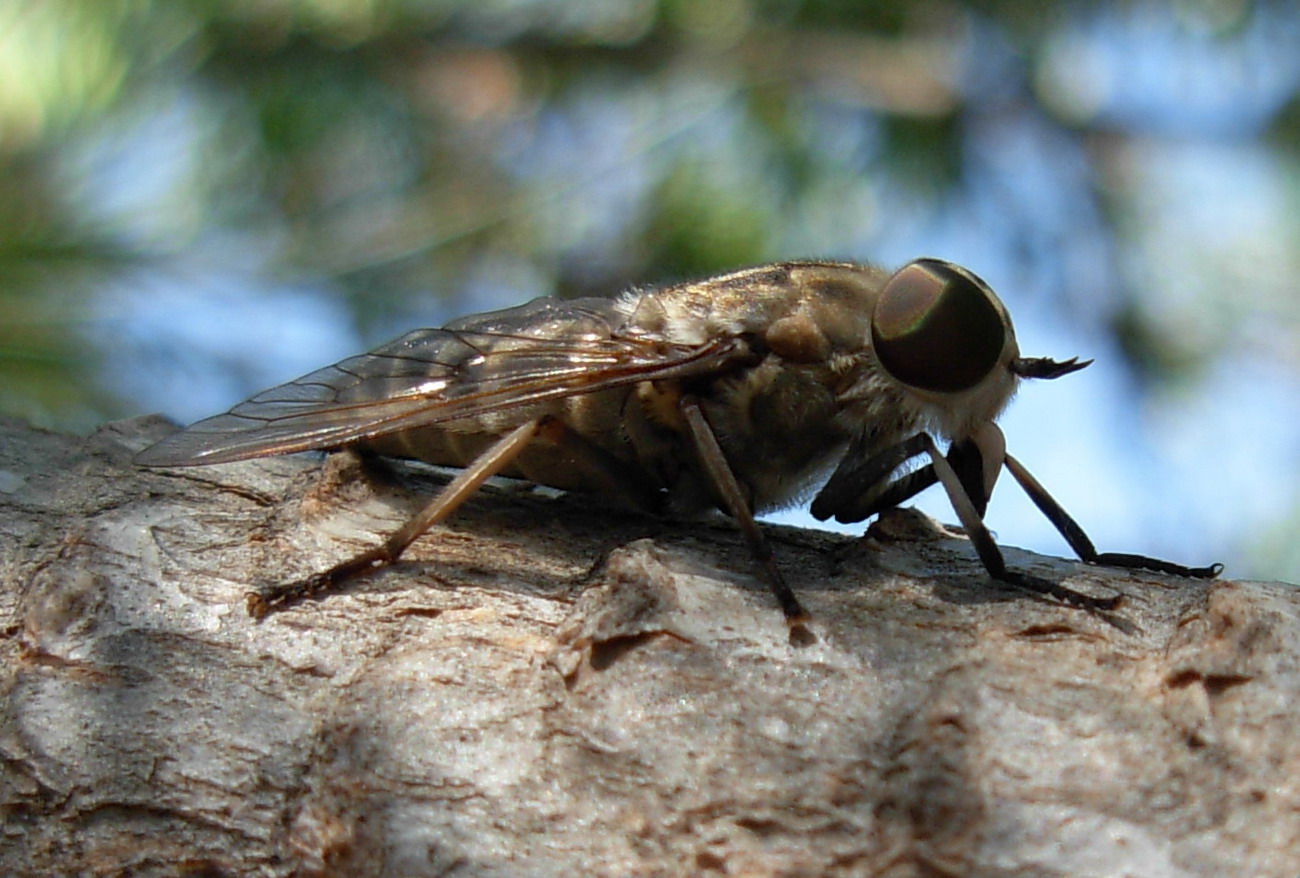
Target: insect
740, 392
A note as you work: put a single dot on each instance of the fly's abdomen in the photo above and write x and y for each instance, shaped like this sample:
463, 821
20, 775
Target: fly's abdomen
575, 458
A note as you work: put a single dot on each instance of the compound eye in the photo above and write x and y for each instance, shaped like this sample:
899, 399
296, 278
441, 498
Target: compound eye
937, 327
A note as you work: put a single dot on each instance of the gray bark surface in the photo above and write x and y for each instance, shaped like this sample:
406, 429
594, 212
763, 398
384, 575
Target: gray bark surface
546, 687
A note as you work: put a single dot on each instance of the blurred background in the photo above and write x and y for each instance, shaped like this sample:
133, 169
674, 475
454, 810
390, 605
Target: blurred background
203, 198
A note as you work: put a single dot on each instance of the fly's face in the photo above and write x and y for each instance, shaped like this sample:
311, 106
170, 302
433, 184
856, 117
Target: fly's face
940, 331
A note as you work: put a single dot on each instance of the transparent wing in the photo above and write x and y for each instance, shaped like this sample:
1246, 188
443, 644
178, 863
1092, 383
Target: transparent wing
544, 350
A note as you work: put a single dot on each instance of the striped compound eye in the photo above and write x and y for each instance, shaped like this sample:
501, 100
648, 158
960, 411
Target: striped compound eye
937, 327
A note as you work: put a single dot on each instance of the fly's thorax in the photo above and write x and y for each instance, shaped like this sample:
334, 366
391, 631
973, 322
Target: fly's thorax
781, 426
803, 310
783, 421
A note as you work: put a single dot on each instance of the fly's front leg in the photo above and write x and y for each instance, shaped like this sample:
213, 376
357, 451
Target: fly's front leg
855, 497
1083, 546
988, 550
484, 467
901, 490
852, 489
724, 483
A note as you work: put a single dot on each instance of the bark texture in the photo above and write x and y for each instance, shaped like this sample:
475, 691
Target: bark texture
549, 688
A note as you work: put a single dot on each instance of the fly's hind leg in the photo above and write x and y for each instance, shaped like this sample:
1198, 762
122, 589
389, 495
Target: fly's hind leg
484, 467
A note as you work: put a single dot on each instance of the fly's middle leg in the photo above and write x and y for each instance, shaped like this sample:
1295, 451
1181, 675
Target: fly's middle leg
729, 491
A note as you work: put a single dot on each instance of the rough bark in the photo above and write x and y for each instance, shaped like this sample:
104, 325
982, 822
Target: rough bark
546, 687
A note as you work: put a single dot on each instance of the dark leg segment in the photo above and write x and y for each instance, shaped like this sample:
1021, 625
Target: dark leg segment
855, 492
900, 491
732, 496
967, 462
1083, 546
855, 480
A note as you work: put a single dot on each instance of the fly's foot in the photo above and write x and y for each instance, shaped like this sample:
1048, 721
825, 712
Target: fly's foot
1125, 561
1064, 594
262, 602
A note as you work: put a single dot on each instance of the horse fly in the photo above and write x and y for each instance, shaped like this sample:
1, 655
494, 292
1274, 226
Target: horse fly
740, 392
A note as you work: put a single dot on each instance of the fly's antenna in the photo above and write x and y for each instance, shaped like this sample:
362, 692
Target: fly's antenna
1045, 367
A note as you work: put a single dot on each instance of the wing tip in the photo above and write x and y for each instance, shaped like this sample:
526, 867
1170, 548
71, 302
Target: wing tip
171, 453
189, 448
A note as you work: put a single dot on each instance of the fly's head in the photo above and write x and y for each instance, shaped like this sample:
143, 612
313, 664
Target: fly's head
942, 333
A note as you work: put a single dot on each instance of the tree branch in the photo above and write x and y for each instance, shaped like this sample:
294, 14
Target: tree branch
546, 687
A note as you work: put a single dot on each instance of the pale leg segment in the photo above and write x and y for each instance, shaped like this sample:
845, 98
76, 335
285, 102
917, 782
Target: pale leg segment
485, 466
724, 483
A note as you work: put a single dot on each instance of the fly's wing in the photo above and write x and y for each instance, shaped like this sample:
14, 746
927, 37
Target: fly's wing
491, 362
